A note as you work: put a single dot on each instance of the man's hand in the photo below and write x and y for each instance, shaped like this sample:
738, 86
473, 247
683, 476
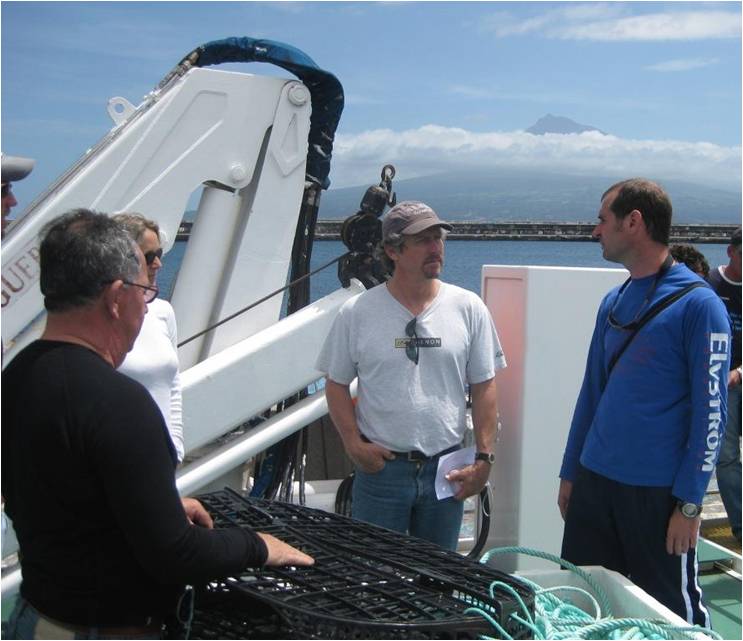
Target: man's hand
734, 378
196, 514
563, 496
369, 457
280, 553
470, 479
682, 533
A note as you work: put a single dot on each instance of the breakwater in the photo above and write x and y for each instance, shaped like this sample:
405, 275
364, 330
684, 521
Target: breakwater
531, 230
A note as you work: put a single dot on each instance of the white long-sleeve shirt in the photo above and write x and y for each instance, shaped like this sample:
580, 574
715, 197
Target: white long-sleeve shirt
153, 362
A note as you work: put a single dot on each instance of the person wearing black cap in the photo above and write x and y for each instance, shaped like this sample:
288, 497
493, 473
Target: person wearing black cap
414, 343
14, 168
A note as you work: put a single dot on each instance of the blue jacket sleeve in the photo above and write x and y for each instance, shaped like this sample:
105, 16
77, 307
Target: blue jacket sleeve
708, 347
594, 381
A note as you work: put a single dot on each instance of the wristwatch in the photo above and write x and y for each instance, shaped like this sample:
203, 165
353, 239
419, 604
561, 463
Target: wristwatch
689, 510
489, 457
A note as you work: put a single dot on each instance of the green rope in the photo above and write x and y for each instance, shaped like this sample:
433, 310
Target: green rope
603, 599
555, 618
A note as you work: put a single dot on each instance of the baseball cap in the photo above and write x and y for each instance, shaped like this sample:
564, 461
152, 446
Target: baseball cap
411, 217
15, 168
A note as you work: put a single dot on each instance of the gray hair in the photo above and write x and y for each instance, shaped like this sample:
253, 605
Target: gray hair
393, 241
81, 251
136, 224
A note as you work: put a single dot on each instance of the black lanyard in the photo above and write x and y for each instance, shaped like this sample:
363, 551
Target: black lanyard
634, 322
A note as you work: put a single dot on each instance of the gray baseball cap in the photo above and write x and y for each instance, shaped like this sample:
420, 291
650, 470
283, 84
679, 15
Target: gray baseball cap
15, 168
411, 217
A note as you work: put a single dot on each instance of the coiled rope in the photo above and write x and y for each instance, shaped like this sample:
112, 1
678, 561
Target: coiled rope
555, 618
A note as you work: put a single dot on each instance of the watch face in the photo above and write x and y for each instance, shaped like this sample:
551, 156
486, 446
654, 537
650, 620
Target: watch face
690, 510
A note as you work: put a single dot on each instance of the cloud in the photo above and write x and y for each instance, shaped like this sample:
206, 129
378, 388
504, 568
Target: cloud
549, 22
604, 22
682, 64
433, 149
682, 25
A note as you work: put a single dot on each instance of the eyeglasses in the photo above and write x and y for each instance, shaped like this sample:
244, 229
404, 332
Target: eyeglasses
150, 291
149, 257
411, 349
667, 263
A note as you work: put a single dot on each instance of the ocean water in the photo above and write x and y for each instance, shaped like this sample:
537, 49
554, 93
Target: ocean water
462, 262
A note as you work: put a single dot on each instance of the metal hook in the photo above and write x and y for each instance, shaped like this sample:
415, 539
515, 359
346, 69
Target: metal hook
388, 173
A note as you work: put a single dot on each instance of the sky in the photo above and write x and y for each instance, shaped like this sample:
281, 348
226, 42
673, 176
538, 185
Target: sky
429, 86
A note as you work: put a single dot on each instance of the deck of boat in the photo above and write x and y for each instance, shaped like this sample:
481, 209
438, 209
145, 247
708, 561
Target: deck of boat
721, 587
719, 555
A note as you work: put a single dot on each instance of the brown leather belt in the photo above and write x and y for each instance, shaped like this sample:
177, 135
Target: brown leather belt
416, 455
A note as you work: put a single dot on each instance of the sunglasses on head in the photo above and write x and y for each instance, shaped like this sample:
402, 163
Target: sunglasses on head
150, 257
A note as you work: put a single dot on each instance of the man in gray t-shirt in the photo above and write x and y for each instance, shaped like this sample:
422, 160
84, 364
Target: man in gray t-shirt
414, 343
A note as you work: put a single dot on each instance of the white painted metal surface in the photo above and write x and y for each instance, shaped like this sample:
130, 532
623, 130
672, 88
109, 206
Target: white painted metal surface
204, 261
249, 241
545, 318
227, 389
239, 130
195, 476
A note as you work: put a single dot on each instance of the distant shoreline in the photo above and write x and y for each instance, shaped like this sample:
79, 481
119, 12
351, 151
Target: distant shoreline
532, 230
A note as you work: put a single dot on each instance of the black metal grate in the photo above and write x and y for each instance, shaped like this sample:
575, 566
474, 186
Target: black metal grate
367, 582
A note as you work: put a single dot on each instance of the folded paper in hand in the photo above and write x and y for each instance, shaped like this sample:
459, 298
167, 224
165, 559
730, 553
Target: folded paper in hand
454, 461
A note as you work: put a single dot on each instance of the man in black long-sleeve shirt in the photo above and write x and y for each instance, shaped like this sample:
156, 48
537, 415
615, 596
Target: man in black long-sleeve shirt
87, 464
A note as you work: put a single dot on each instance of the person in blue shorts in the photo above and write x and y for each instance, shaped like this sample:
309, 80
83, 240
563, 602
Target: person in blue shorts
650, 416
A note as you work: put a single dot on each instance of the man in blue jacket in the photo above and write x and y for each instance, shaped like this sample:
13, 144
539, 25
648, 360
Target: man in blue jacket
651, 412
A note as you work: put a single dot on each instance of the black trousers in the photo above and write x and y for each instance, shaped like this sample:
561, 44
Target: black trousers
623, 527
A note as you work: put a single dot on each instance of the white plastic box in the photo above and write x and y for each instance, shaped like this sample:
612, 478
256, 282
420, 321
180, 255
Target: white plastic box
625, 598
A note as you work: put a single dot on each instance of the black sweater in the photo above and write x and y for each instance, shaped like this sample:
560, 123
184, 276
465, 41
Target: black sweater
88, 479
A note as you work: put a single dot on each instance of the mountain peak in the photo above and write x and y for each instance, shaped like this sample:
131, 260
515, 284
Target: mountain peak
550, 124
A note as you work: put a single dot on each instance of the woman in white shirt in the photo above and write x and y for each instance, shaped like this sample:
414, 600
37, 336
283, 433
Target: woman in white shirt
153, 361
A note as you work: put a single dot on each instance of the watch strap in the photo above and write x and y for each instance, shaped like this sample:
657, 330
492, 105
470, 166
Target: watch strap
689, 510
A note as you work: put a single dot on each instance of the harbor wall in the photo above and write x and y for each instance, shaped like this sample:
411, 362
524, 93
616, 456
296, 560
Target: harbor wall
531, 230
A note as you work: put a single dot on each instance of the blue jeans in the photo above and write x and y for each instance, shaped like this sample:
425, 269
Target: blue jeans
402, 497
728, 465
26, 622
